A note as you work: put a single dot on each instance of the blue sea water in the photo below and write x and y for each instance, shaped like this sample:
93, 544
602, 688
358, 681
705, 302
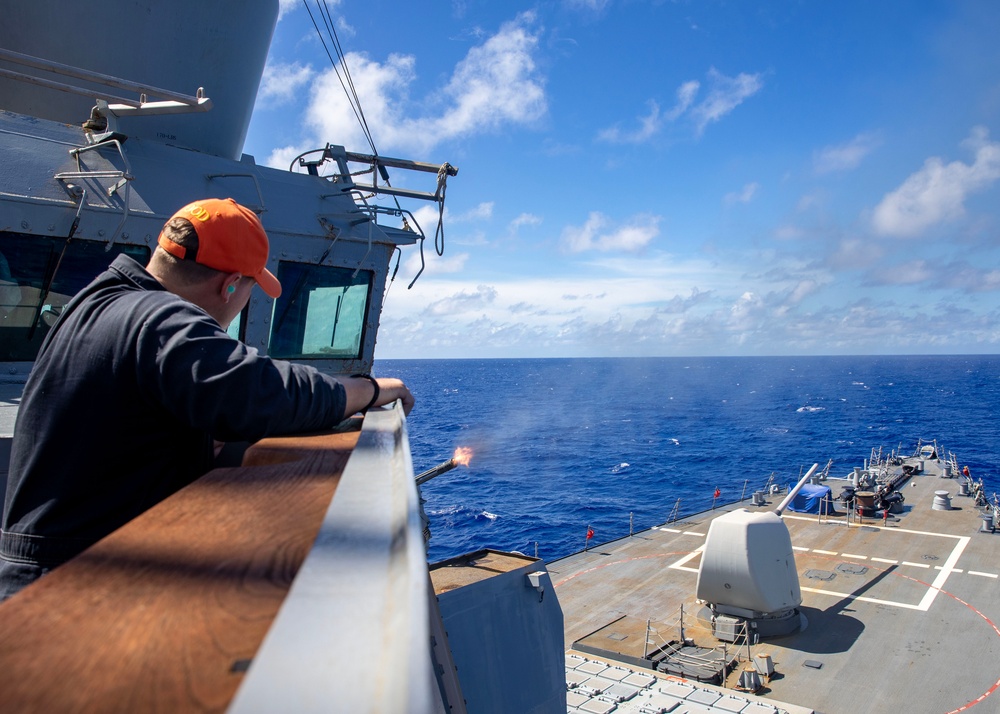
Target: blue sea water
560, 445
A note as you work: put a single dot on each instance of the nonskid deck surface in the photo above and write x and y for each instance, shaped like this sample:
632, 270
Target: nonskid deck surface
900, 612
598, 686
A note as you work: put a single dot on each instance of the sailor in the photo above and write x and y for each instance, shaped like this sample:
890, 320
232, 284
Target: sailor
139, 376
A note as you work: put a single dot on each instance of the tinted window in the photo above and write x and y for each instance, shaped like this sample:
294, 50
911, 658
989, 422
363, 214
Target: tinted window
38, 276
321, 312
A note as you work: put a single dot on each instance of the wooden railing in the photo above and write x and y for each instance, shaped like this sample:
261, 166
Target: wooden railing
166, 613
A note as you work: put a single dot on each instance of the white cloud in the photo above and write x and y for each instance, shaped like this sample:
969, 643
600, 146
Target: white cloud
286, 6
745, 195
496, 85
910, 273
434, 264
282, 157
479, 212
598, 233
846, 156
427, 217
725, 95
593, 5
788, 232
855, 254
649, 126
674, 305
938, 191
800, 292
281, 82
464, 302
745, 309
685, 97
524, 219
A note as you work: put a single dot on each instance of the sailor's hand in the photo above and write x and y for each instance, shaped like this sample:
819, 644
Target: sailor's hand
391, 389
362, 393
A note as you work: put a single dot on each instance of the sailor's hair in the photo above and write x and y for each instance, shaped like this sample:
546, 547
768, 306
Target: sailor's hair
181, 231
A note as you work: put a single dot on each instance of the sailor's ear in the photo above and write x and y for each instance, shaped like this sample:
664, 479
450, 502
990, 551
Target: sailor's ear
229, 285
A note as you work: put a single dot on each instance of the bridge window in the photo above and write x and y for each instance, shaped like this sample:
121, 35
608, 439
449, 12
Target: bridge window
321, 312
38, 276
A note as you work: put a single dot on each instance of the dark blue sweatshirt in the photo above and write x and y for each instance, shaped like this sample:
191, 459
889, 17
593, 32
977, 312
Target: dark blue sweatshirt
130, 388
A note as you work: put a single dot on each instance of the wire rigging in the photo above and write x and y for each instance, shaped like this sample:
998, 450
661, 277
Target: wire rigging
347, 84
352, 96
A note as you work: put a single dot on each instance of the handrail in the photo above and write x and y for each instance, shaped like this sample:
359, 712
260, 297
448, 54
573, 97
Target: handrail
363, 590
175, 100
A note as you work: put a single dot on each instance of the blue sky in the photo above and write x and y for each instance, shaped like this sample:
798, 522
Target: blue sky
643, 177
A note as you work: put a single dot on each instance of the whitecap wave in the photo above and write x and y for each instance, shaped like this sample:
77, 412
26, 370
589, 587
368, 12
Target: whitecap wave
618, 468
811, 409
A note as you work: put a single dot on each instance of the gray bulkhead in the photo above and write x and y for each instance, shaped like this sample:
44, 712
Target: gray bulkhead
71, 199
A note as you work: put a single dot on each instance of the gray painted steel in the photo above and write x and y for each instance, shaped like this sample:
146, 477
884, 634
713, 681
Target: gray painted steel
353, 633
506, 638
901, 616
179, 45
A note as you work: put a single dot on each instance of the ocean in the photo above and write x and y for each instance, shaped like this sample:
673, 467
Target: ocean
561, 446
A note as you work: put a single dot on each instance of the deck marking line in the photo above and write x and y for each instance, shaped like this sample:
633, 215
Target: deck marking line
799, 547
852, 555
861, 598
785, 516
933, 589
679, 565
824, 552
942, 577
694, 533
916, 565
885, 560
976, 572
670, 530
954, 570
989, 622
613, 562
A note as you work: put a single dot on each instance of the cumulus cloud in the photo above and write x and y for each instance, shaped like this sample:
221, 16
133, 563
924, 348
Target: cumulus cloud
937, 192
496, 85
678, 305
480, 212
280, 83
286, 6
434, 264
599, 233
743, 311
672, 305
846, 156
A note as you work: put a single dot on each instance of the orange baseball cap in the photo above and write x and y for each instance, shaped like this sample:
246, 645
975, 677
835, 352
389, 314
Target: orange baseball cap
230, 239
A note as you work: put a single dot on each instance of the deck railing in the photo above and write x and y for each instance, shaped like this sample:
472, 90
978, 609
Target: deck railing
353, 631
